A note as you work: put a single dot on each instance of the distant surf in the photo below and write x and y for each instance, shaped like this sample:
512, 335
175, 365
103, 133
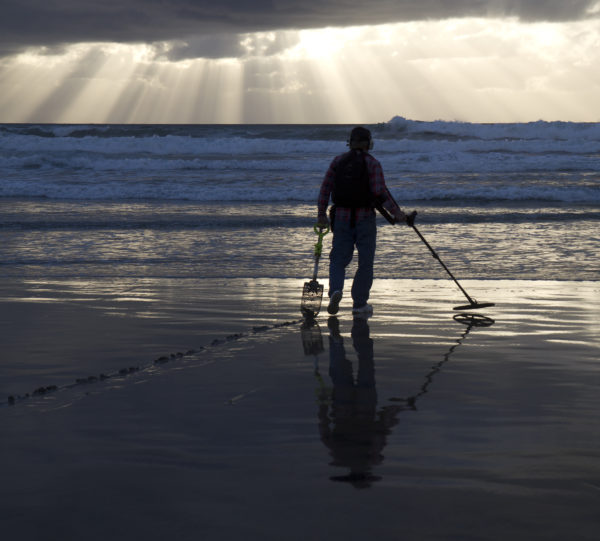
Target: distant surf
423, 161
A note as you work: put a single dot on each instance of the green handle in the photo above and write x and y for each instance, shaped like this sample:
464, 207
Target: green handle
321, 231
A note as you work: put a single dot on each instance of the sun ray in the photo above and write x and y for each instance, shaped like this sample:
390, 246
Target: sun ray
102, 87
132, 99
70, 85
22, 89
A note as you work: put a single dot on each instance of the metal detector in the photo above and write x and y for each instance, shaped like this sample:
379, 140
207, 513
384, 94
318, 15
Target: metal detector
410, 220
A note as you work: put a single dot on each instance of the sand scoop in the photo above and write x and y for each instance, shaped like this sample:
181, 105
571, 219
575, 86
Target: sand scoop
312, 293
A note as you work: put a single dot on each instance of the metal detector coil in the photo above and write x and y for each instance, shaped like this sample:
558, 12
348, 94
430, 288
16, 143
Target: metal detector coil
473, 320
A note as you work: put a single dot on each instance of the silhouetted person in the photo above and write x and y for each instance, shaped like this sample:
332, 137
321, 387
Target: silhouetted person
354, 182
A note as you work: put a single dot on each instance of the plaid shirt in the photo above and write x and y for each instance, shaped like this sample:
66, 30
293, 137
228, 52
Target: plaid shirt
377, 185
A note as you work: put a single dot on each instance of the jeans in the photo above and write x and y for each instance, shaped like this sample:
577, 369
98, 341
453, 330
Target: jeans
345, 238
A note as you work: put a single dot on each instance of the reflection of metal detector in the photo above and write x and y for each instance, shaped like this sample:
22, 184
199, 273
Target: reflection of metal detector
470, 320
312, 342
351, 451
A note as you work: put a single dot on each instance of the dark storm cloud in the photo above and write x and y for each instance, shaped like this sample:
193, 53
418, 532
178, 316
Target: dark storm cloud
50, 23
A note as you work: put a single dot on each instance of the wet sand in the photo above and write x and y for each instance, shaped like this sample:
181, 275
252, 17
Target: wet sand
410, 425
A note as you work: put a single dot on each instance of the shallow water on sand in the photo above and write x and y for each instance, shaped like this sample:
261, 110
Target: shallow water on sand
381, 427
63, 239
56, 331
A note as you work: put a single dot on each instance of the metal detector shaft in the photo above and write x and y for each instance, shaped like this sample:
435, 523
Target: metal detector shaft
410, 220
471, 301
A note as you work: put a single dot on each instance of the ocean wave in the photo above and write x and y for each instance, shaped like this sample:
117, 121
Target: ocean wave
436, 161
396, 128
526, 131
439, 158
277, 189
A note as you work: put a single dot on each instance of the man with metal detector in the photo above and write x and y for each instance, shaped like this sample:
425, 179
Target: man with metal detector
356, 185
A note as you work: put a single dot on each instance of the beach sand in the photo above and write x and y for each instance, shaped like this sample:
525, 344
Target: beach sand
223, 416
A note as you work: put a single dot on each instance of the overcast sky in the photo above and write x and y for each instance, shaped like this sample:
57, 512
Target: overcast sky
298, 60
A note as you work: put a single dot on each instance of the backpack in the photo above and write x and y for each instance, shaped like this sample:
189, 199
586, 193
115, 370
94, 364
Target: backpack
351, 187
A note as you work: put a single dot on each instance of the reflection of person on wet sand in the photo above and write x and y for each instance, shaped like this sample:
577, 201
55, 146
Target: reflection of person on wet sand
349, 423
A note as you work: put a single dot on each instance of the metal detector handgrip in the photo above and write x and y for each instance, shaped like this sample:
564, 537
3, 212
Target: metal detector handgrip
410, 219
